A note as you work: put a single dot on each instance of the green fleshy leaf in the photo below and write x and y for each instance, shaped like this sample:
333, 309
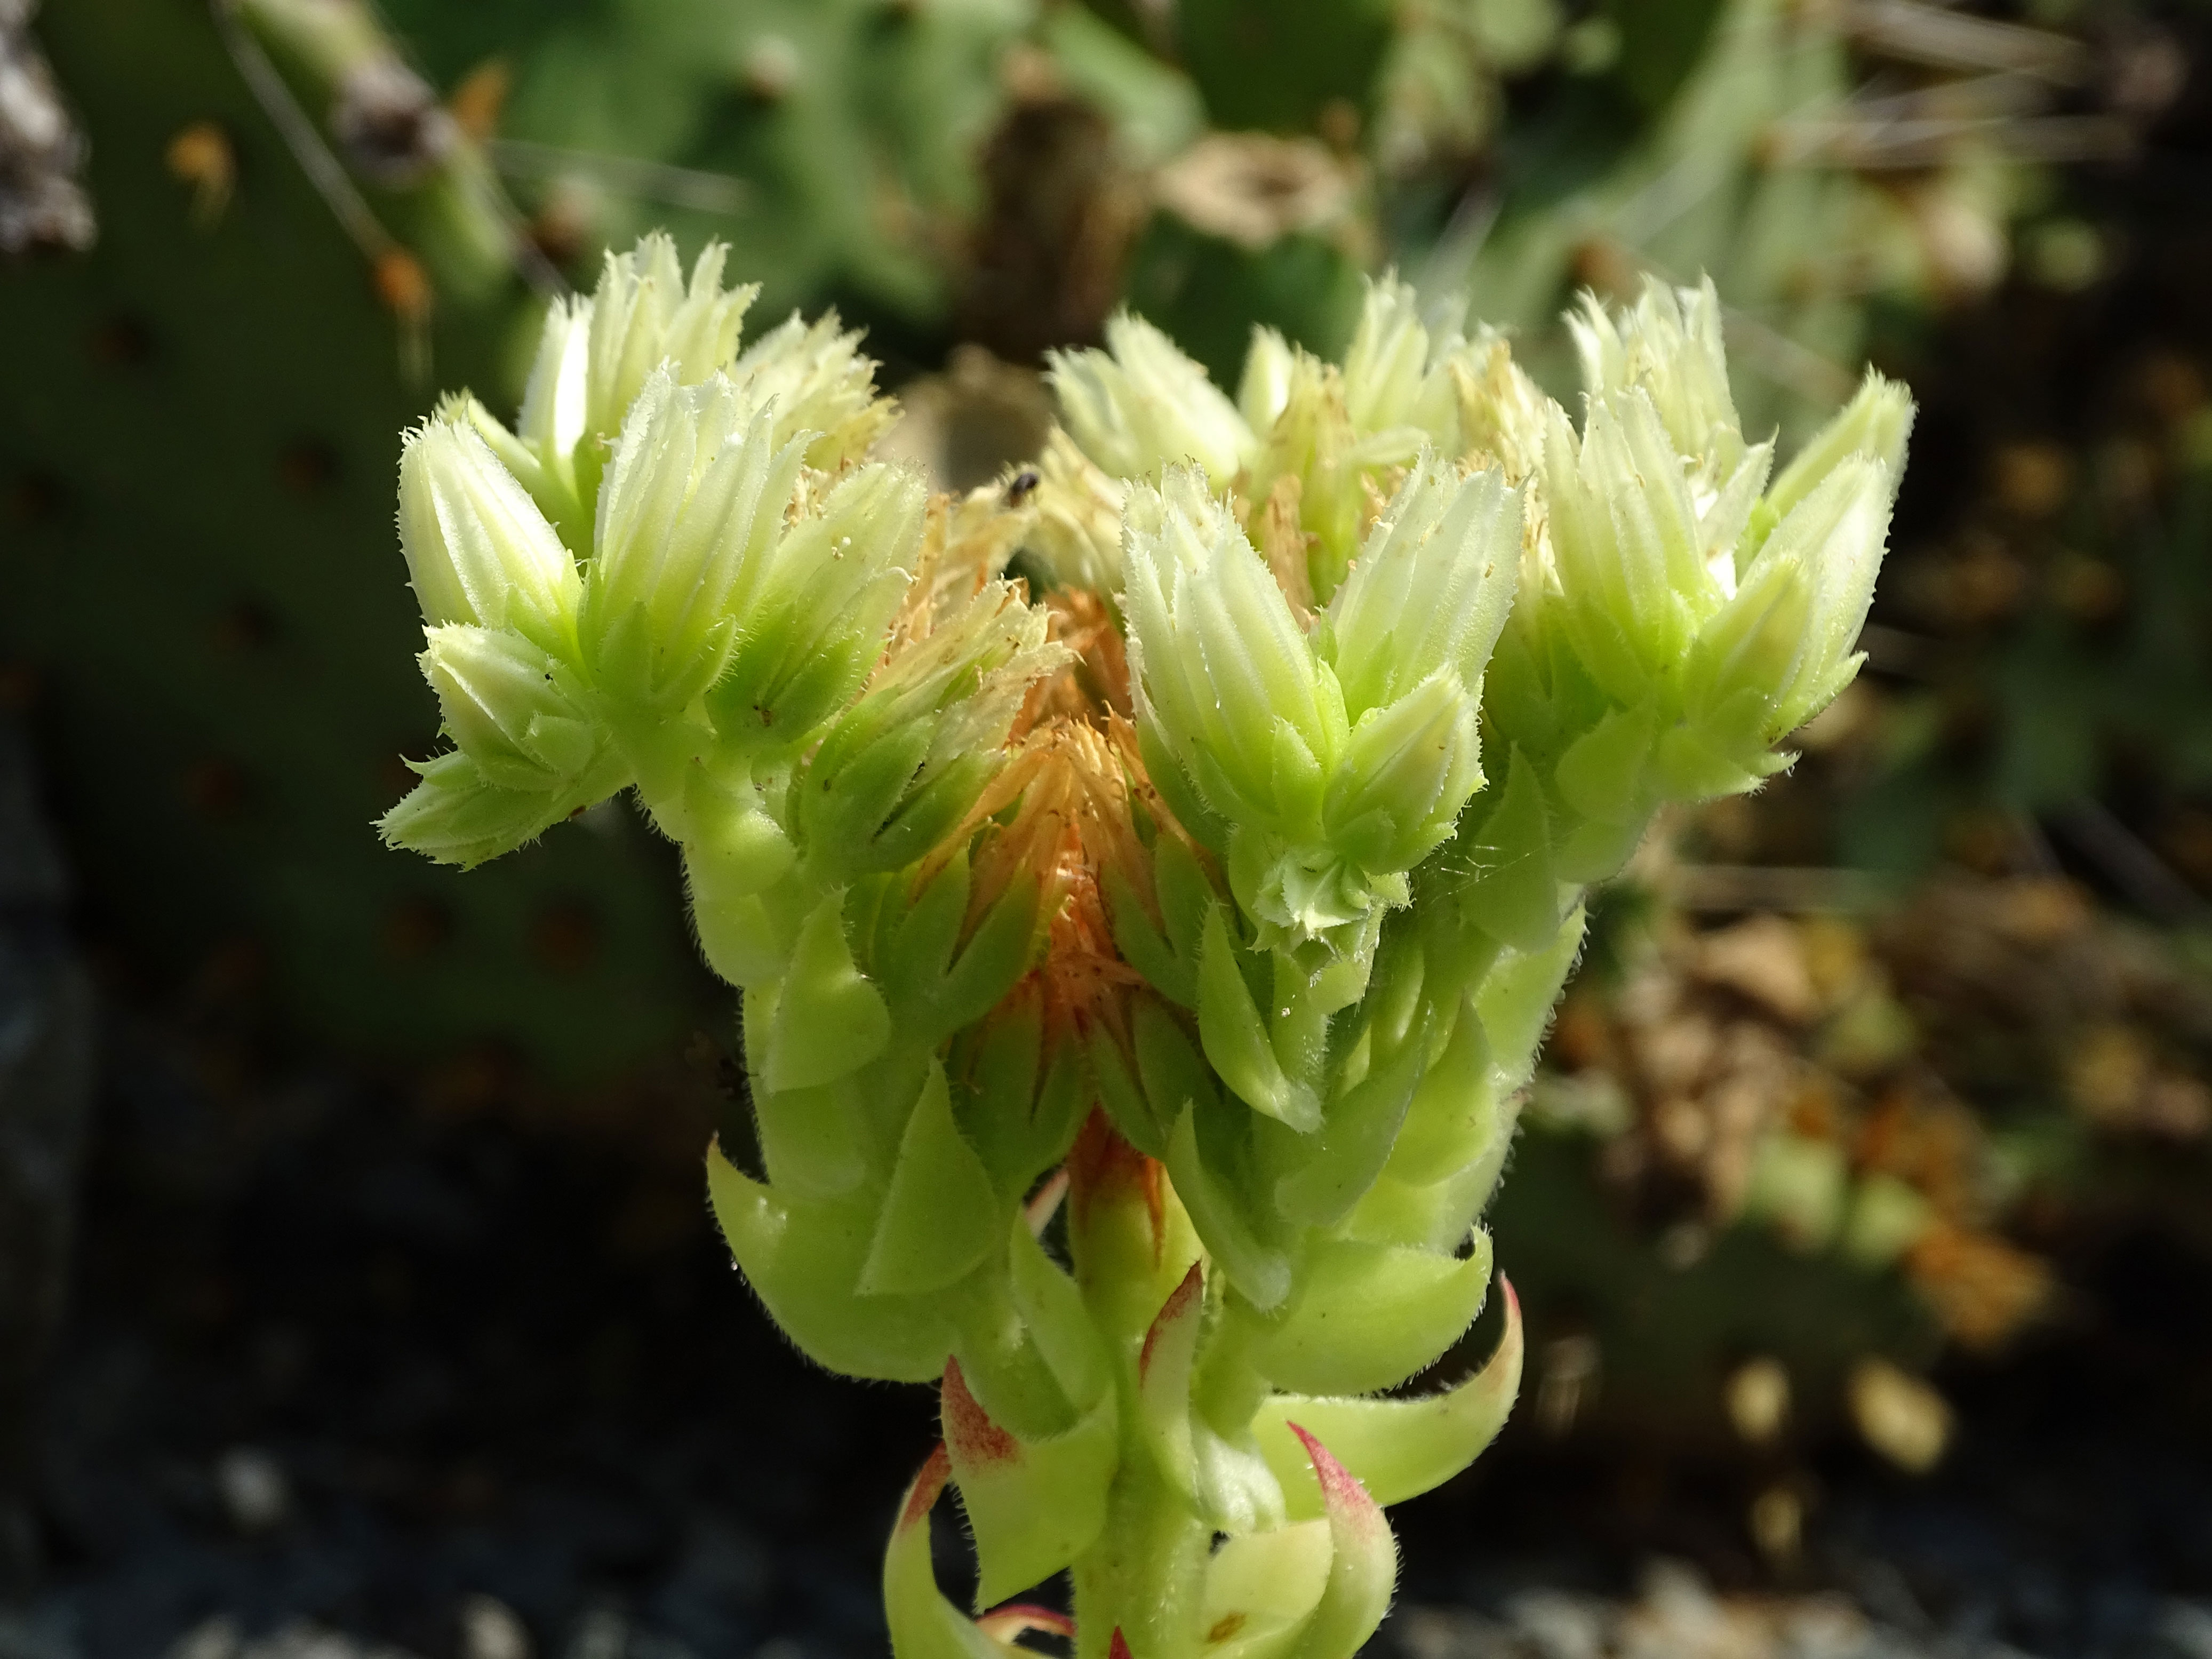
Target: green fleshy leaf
1163, 1375
924, 1625
1146, 948
941, 1216
1601, 776
739, 939
1236, 1037
1515, 897
1369, 1316
1355, 1139
1516, 999
911, 963
1262, 1589
803, 1259
1173, 1075
809, 1140
1123, 1098
1397, 1448
1260, 1271
1454, 1112
1363, 1567
1051, 1304
998, 954
829, 1020
1033, 1505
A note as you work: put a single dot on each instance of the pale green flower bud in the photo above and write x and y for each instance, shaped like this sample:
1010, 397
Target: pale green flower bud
1502, 413
1264, 386
504, 704
1392, 377
1670, 345
1876, 421
1431, 588
1141, 406
694, 495
477, 548
1219, 666
1633, 580
457, 815
820, 385
556, 400
644, 314
1407, 771
813, 611
906, 762
1781, 649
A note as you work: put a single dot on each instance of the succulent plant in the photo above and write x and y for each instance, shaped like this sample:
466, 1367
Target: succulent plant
1171, 893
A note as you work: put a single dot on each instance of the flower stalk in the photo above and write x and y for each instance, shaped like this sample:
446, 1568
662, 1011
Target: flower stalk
1139, 967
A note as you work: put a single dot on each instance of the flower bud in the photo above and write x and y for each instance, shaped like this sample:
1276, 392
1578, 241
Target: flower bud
1431, 586
1781, 649
820, 385
1077, 534
1220, 667
1409, 767
477, 548
1141, 406
812, 611
504, 705
1633, 582
1669, 345
694, 498
1264, 386
1502, 411
1876, 421
456, 816
643, 315
1392, 377
903, 766
555, 401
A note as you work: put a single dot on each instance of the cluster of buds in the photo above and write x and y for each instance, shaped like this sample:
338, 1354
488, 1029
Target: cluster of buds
1138, 965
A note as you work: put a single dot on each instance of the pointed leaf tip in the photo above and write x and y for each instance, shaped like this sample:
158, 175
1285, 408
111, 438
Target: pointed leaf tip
928, 1486
970, 1436
1178, 1306
1119, 1647
1341, 1489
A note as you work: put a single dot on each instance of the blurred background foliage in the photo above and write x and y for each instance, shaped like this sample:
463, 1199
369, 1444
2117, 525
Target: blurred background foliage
1854, 1064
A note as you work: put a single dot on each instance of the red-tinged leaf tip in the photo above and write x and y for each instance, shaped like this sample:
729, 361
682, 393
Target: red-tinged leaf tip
1119, 1647
969, 1428
1512, 1300
1340, 1488
922, 1496
1019, 1619
1180, 1301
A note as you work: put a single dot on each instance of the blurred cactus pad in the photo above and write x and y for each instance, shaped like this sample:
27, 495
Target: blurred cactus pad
1140, 954
306, 205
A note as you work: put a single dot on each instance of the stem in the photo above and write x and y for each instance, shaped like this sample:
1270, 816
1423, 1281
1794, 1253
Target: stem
1146, 1574
1131, 1243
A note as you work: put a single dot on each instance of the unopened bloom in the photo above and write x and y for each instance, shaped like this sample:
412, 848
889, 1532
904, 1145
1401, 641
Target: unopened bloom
505, 704
477, 548
644, 314
1781, 649
819, 383
1336, 777
813, 608
694, 496
1141, 406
